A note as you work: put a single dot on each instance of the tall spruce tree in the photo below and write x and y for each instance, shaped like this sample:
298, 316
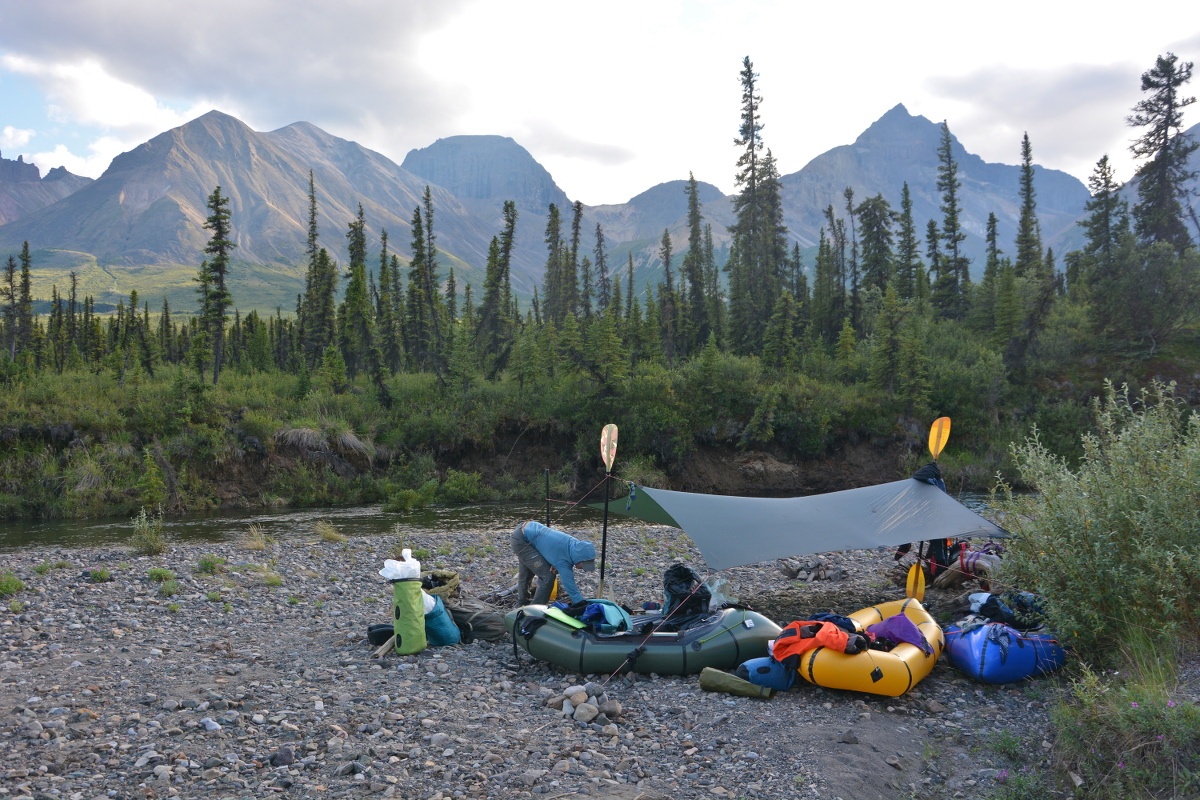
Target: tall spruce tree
1029, 263
908, 246
214, 271
756, 274
603, 280
693, 271
356, 321
953, 266
875, 223
1163, 180
668, 301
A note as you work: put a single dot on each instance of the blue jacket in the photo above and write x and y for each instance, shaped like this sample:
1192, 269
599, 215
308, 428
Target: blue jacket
562, 551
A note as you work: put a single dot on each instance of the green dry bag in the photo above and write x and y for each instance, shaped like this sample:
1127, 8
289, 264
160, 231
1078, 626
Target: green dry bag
408, 610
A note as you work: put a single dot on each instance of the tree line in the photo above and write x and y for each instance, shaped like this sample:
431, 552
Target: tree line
880, 284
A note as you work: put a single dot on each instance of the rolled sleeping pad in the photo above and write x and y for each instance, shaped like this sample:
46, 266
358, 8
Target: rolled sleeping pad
440, 629
408, 612
714, 680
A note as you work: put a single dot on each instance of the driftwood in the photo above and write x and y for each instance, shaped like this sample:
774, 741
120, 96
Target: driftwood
809, 570
385, 648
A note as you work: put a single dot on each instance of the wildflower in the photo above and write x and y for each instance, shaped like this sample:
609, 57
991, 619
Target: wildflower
1133, 705
1120, 765
1170, 704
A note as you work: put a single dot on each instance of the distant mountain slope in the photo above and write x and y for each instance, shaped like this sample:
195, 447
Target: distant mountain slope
140, 225
23, 190
142, 220
900, 147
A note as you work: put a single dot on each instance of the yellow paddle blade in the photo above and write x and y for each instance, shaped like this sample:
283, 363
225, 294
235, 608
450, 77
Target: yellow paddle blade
554, 590
939, 433
915, 585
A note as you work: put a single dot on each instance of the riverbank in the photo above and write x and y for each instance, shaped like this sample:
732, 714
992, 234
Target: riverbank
252, 677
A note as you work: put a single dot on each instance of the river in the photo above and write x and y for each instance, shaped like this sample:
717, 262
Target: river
284, 523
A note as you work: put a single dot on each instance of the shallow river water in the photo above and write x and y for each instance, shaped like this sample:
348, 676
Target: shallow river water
284, 523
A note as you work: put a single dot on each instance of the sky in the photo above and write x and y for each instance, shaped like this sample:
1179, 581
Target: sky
612, 96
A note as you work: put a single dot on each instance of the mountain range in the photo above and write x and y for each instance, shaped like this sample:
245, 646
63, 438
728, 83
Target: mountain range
140, 224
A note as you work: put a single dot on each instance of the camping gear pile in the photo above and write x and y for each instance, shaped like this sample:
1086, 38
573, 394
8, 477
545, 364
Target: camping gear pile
430, 609
885, 650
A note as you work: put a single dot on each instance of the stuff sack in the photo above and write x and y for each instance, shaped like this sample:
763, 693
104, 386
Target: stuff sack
477, 619
440, 629
768, 672
408, 612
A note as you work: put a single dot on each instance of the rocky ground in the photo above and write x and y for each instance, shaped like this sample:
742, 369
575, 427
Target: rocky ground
255, 679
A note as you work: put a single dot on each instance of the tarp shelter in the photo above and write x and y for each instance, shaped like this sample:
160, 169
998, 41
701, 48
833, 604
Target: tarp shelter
731, 531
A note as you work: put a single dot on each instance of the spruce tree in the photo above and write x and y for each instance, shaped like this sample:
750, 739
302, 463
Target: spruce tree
214, 271
356, 321
603, 281
908, 258
756, 275
953, 269
1163, 180
875, 222
693, 271
1028, 261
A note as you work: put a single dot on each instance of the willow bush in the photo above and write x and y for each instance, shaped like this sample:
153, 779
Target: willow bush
1114, 542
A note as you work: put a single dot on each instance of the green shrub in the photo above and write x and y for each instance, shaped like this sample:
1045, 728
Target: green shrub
99, 575
1115, 542
210, 564
169, 588
412, 499
272, 579
1126, 734
10, 584
213, 597
160, 575
46, 566
460, 488
148, 537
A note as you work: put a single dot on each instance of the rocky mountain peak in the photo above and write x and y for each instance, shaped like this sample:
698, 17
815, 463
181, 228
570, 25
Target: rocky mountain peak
492, 168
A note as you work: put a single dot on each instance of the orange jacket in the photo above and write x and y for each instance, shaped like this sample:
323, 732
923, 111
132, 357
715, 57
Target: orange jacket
800, 637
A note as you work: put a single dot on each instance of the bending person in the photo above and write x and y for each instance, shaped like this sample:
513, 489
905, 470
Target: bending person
542, 551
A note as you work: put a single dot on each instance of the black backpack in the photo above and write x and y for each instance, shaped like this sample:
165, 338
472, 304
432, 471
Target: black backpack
684, 592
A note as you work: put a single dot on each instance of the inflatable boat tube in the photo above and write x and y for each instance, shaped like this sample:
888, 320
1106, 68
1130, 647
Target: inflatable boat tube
889, 673
998, 653
722, 640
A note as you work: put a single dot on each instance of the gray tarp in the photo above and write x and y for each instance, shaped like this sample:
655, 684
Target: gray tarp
731, 531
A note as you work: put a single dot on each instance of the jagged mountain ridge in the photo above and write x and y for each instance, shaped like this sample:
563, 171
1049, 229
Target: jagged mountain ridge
24, 191
899, 148
140, 226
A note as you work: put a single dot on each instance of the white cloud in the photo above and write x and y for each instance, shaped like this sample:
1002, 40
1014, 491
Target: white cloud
13, 138
100, 154
612, 97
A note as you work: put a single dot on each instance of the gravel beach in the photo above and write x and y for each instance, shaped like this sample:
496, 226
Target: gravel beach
255, 679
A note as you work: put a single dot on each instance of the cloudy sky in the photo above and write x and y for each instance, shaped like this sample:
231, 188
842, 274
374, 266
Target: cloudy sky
611, 96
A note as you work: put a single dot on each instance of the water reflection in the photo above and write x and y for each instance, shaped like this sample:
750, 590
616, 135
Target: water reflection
285, 523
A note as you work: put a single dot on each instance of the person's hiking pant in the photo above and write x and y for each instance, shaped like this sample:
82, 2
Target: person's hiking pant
530, 564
